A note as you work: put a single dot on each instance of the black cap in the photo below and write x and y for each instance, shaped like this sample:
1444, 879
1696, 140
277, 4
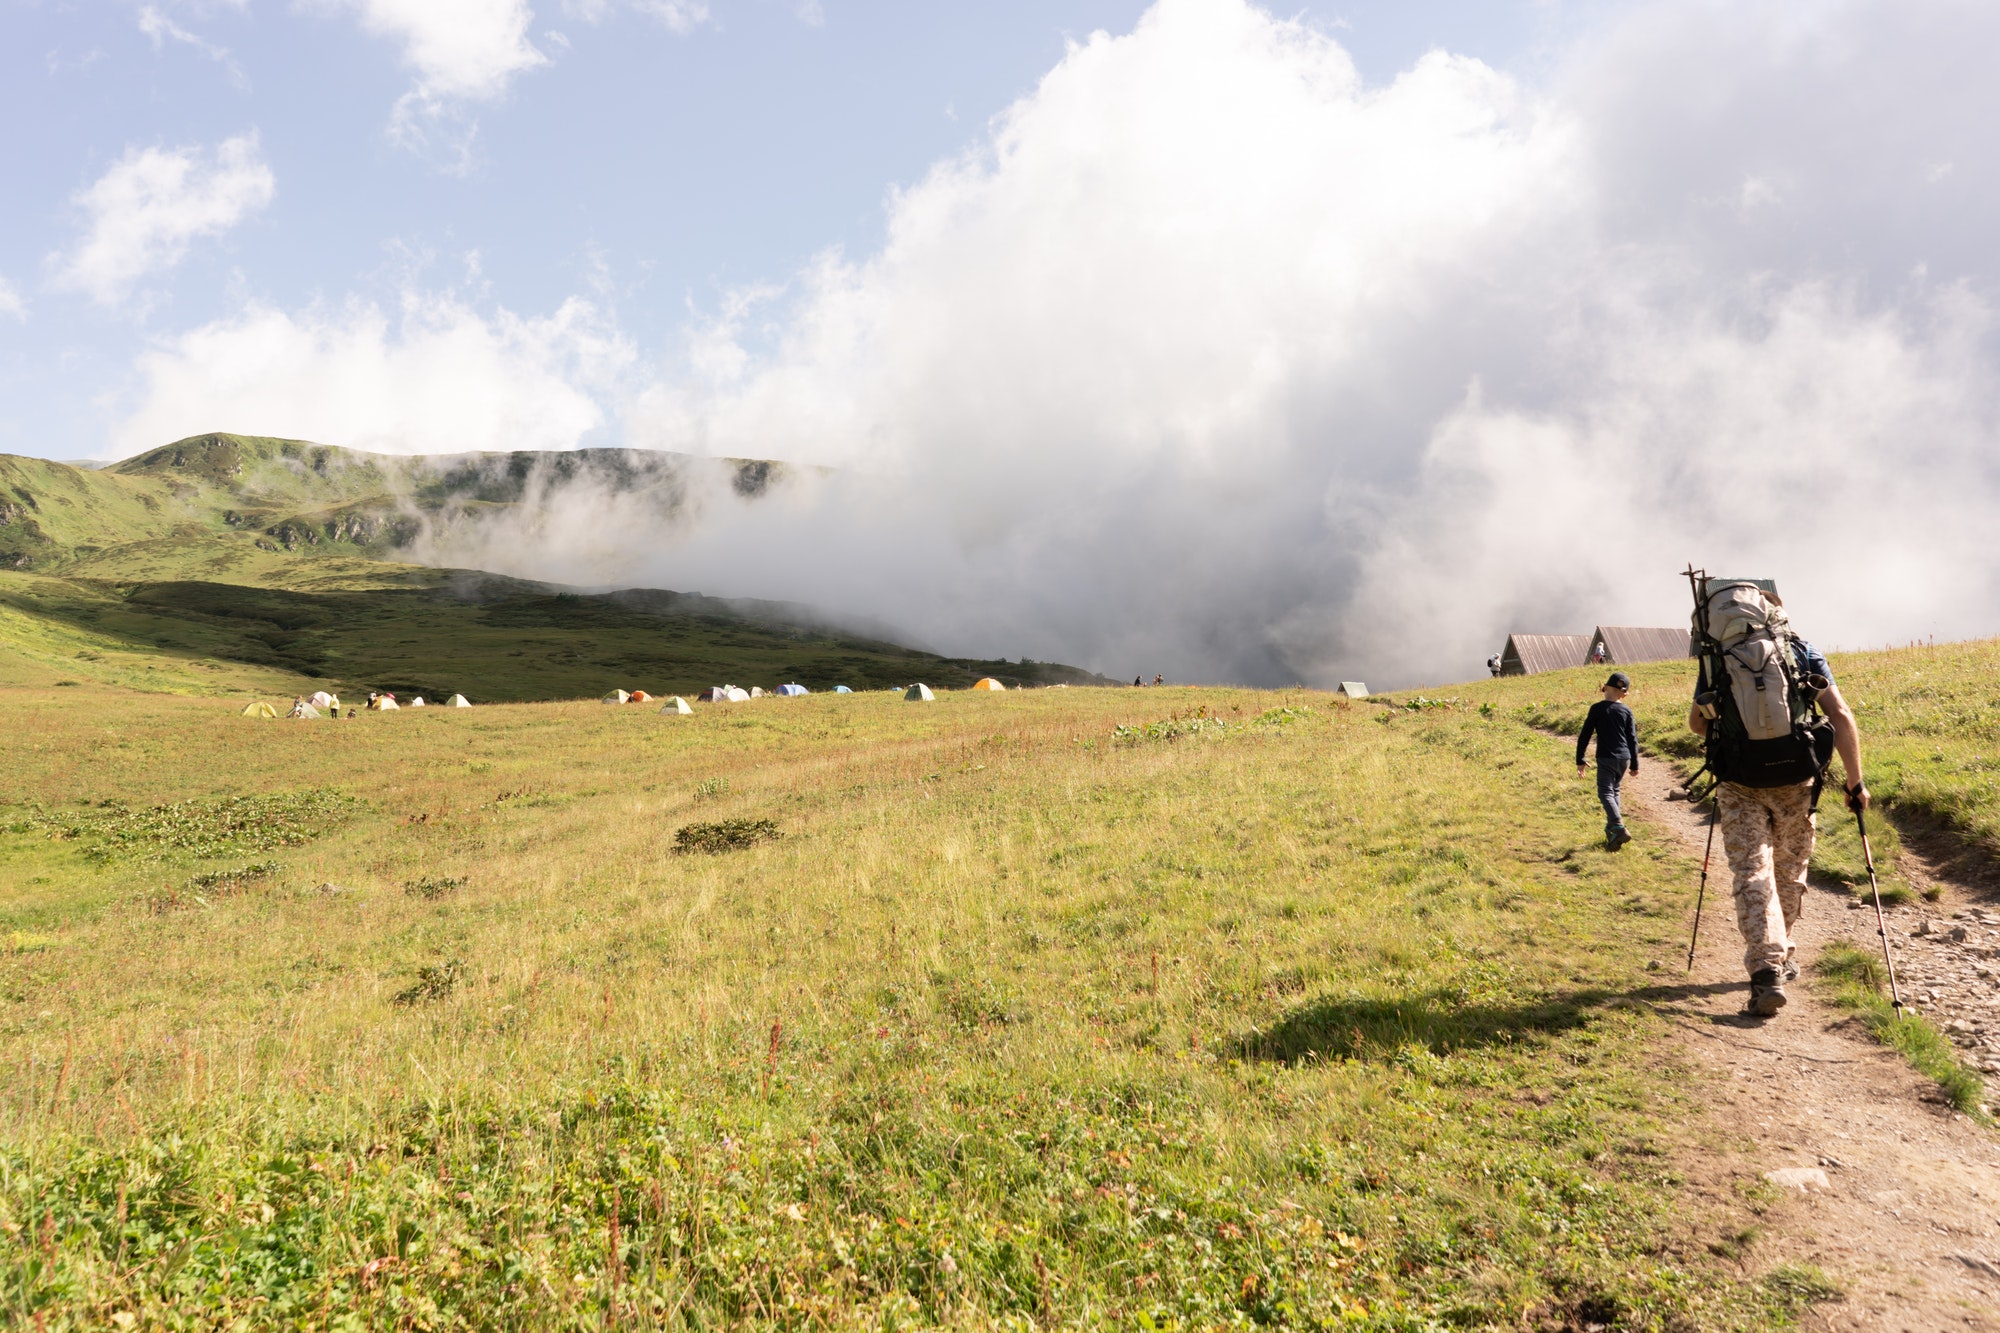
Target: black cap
1620, 680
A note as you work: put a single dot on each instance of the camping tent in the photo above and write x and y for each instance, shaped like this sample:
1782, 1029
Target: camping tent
919, 692
417, 702
1532, 654
1626, 644
793, 690
677, 705
739, 696
458, 701
641, 697
987, 683
616, 697
756, 692
387, 704
303, 709
324, 700
1354, 689
260, 709
842, 689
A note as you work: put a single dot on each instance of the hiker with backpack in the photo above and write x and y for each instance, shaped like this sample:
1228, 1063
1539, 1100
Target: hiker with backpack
1617, 753
1771, 719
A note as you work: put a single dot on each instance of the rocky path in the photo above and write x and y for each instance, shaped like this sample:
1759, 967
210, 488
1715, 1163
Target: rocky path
1877, 1182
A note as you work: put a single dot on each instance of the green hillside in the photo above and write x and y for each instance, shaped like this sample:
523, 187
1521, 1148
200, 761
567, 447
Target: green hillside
226, 563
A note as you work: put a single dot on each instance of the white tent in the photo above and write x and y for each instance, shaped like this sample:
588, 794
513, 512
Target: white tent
1354, 689
387, 704
458, 701
677, 705
616, 697
919, 692
417, 702
324, 700
303, 709
756, 692
842, 689
739, 696
793, 690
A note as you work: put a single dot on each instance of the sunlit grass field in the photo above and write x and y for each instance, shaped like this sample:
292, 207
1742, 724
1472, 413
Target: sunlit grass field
1061, 1008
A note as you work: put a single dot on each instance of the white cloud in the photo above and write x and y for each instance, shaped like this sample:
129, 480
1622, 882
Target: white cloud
458, 49
158, 25
152, 204
1216, 361
11, 302
437, 377
680, 16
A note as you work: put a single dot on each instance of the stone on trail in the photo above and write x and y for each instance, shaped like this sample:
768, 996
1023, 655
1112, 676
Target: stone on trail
1798, 1178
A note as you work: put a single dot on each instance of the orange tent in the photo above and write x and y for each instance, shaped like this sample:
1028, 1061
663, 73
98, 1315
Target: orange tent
641, 697
987, 683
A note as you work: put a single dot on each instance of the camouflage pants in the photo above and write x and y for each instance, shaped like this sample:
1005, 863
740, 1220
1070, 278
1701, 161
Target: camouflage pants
1767, 836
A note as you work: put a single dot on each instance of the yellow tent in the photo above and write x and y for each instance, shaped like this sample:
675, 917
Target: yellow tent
260, 709
987, 683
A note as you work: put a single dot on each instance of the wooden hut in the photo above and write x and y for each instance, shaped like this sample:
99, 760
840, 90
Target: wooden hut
1532, 654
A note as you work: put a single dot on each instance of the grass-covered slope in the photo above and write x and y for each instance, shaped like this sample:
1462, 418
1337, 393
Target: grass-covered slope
1161, 1008
224, 563
1929, 716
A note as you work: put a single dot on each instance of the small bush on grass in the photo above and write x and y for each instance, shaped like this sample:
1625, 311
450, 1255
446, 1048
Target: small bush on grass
1858, 979
726, 835
434, 982
432, 887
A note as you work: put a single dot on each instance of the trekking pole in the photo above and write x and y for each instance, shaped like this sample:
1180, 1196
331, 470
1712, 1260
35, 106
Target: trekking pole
1715, 813
1881, 926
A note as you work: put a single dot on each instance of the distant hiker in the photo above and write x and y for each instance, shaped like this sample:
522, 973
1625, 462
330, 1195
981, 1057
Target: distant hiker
1597, 654
1758, 702
1493, 665
1159, 679
1617, 753
1138, 682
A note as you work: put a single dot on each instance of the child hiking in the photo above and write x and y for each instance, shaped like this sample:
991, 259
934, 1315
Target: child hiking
1617, 753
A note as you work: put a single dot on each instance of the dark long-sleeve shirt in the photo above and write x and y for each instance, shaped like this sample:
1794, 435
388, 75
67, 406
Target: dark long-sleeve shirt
1617, 736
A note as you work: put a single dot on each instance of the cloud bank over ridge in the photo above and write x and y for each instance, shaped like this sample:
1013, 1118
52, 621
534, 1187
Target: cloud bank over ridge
1216, 361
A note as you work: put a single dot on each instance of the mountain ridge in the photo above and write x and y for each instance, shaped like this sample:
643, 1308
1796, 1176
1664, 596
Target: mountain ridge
293, 556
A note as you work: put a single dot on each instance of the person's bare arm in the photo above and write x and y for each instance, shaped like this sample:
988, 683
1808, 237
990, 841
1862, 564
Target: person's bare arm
1846, 743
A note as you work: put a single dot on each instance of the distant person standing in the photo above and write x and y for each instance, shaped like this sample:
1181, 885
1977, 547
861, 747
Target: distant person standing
1597, 653
1493, 665
1138, 682
1617, 753
1159, 678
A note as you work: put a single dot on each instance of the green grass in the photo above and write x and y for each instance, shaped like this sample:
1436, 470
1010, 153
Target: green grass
1301, 1020
1861, 984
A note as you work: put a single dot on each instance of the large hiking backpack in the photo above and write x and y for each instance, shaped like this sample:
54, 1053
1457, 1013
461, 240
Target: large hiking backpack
1764, 724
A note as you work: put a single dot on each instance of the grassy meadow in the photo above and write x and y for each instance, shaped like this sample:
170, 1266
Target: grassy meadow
1166, 1008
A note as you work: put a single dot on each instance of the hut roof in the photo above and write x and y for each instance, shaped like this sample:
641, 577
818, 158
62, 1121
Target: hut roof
1532, 654
1627, 644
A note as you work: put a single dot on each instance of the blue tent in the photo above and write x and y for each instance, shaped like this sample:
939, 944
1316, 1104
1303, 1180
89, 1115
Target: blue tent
793, 689
842, 689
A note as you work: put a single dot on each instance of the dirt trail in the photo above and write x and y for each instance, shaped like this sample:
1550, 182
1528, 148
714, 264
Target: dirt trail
1908, 1220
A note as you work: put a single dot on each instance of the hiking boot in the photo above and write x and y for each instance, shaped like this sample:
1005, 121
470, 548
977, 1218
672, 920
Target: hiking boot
1767, 993
1615, 839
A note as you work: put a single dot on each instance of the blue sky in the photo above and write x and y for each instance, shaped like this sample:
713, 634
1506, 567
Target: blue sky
1331, 342
654, 158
